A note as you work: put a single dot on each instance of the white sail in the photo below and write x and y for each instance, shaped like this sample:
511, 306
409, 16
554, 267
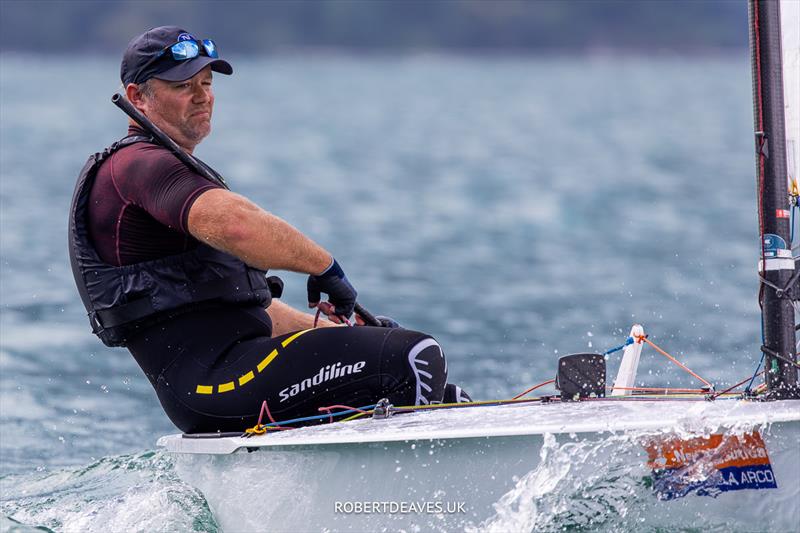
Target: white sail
790, 44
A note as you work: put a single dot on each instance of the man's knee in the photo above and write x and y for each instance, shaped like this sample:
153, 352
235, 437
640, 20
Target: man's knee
423, 361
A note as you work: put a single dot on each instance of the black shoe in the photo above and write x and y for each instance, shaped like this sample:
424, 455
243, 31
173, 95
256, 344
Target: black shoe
455, 394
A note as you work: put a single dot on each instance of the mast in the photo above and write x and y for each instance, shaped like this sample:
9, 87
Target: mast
776, 266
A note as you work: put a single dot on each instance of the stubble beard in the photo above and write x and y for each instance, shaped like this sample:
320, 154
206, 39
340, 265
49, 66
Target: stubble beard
195, 133
190, 134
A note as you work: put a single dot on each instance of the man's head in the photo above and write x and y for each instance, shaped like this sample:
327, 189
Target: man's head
167, 76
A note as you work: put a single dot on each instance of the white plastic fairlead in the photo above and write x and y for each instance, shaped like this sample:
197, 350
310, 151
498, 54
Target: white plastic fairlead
626, 377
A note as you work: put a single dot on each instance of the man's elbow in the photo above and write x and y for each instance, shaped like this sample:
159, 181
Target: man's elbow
237, 226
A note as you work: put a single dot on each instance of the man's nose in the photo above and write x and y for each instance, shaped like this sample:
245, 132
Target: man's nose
201, 93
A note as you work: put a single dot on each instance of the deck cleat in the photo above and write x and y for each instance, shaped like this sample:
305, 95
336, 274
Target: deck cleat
383, 409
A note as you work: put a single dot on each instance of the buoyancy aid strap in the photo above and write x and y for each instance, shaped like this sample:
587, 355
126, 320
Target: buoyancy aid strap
125, 141
134, 310
122, 314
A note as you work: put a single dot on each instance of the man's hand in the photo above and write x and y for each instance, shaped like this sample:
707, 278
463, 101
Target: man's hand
335, 284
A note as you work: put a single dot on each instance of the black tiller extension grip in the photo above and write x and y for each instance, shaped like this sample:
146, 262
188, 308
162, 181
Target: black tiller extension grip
368, 317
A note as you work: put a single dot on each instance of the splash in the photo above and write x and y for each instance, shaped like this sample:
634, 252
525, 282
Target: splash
577, 484
603, 483
117, 493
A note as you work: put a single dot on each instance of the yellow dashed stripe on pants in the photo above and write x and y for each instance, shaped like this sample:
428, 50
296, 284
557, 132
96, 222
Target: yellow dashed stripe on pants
248, 376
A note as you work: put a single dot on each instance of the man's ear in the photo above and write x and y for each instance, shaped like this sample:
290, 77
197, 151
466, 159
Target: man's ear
135, 96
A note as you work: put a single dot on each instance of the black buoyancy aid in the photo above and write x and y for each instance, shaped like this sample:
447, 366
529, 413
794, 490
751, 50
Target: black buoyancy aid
120, 299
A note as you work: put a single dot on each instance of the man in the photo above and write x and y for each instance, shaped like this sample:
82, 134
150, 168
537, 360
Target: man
172, 266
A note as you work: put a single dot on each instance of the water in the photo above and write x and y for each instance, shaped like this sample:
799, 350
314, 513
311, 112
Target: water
517, 209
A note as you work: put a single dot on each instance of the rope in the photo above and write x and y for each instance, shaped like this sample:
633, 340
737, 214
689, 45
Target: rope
643, 398
768, 283
265, 408
668, 356
280, 424
759, 113
260, 429
347, 407
776, 355
542, 384
666, 390
316, 318
358, 412
484, 403
435, 406
628, 342
729, 389
755, 373
353, 413
781, 292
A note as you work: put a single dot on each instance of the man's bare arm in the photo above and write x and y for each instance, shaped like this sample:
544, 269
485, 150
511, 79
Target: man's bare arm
233, 224
286, 319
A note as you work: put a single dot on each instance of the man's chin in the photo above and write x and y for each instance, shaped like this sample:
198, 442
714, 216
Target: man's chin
198, 134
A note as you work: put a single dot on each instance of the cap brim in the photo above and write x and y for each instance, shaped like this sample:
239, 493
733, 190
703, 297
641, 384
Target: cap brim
187, 69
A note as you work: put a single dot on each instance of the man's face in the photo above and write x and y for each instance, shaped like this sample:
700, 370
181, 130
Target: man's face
182, 108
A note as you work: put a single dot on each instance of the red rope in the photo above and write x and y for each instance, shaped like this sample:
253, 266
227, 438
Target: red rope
542, 384
668, 356
276, 427
343, 319
760, 125
346, 407
265, 408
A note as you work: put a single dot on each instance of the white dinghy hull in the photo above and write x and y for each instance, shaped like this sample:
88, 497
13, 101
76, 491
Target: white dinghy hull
517, 467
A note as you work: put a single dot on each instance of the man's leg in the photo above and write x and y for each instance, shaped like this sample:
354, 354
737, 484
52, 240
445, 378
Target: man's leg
357, 365
300, 372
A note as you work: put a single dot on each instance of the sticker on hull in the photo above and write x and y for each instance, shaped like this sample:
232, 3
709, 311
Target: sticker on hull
709, 466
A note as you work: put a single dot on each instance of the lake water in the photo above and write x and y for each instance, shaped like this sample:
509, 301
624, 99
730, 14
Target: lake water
517, 209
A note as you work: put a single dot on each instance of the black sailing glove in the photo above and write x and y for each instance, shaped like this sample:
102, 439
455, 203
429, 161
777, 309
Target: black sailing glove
334, 283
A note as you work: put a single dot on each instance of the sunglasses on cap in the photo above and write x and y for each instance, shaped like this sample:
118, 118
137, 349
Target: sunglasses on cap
183, 51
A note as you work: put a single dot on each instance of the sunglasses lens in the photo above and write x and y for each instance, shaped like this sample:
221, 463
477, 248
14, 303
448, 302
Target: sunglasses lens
184, 50
211, 48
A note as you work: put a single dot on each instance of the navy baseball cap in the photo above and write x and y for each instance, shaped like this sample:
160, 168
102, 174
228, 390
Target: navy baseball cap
145, 58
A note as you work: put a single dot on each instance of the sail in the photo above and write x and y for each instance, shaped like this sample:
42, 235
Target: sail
790, 45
